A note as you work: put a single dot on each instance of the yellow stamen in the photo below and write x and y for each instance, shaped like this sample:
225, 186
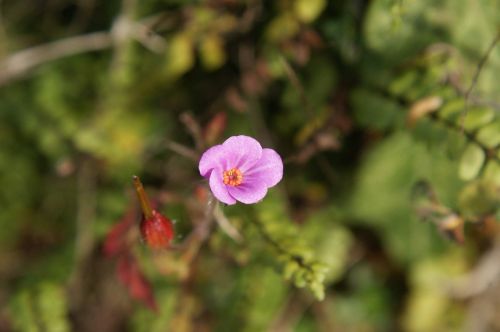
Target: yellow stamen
232, 177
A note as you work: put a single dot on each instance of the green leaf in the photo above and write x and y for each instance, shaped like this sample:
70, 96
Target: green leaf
426, 297
381, 196
212, 53
471, 162
477, 199
374, 111
144, 320
404, 83
180, 54
452, 109
478, 117
282, 27
492, 172
42, 308
490, 135
308, 10
333, 244
298, 259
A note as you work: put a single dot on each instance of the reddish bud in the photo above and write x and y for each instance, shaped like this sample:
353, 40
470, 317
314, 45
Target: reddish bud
157, 231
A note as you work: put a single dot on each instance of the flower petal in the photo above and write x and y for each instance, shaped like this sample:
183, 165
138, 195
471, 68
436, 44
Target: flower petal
218, 187
268, 169
241, 152
212, 158
249, 192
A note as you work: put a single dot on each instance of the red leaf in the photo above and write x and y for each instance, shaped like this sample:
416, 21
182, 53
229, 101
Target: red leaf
214, 129
116, 239
138, 286
201, 194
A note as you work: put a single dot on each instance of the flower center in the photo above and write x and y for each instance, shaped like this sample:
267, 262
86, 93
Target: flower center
232, 177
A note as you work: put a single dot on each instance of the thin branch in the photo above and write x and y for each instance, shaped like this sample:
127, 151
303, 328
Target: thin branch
85, 218
200, 233
226, 226
290, 314
475, 79
322, 140
470, 136
447, 123
194, 129
294, 79
182, 150
485, 274
20, 63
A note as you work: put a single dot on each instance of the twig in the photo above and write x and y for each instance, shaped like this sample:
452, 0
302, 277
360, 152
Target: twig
470, 136
254, 9
322, 140
484, 275
323, 317
194, 129
20, 63
125, 28
182, 150
85, 240
294, 79
200, 233
151, 41
475, 79
226, 226
447, 123
291, 312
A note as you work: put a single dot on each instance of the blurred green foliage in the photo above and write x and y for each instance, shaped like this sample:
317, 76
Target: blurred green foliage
363, 99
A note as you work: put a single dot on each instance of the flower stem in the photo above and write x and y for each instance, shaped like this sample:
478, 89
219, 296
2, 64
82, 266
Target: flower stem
143, 198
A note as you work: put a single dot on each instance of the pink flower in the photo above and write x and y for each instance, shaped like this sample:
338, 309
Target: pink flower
241, 170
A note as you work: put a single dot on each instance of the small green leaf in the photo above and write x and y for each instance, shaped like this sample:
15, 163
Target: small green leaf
41, 308
477, 199
282, 27
300, 279
180, 54
212, 52
374, 111
452, 109
478, 117
492, 172
490, 134
308, 10
471, 162
404, 83
318, 290
290, 269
